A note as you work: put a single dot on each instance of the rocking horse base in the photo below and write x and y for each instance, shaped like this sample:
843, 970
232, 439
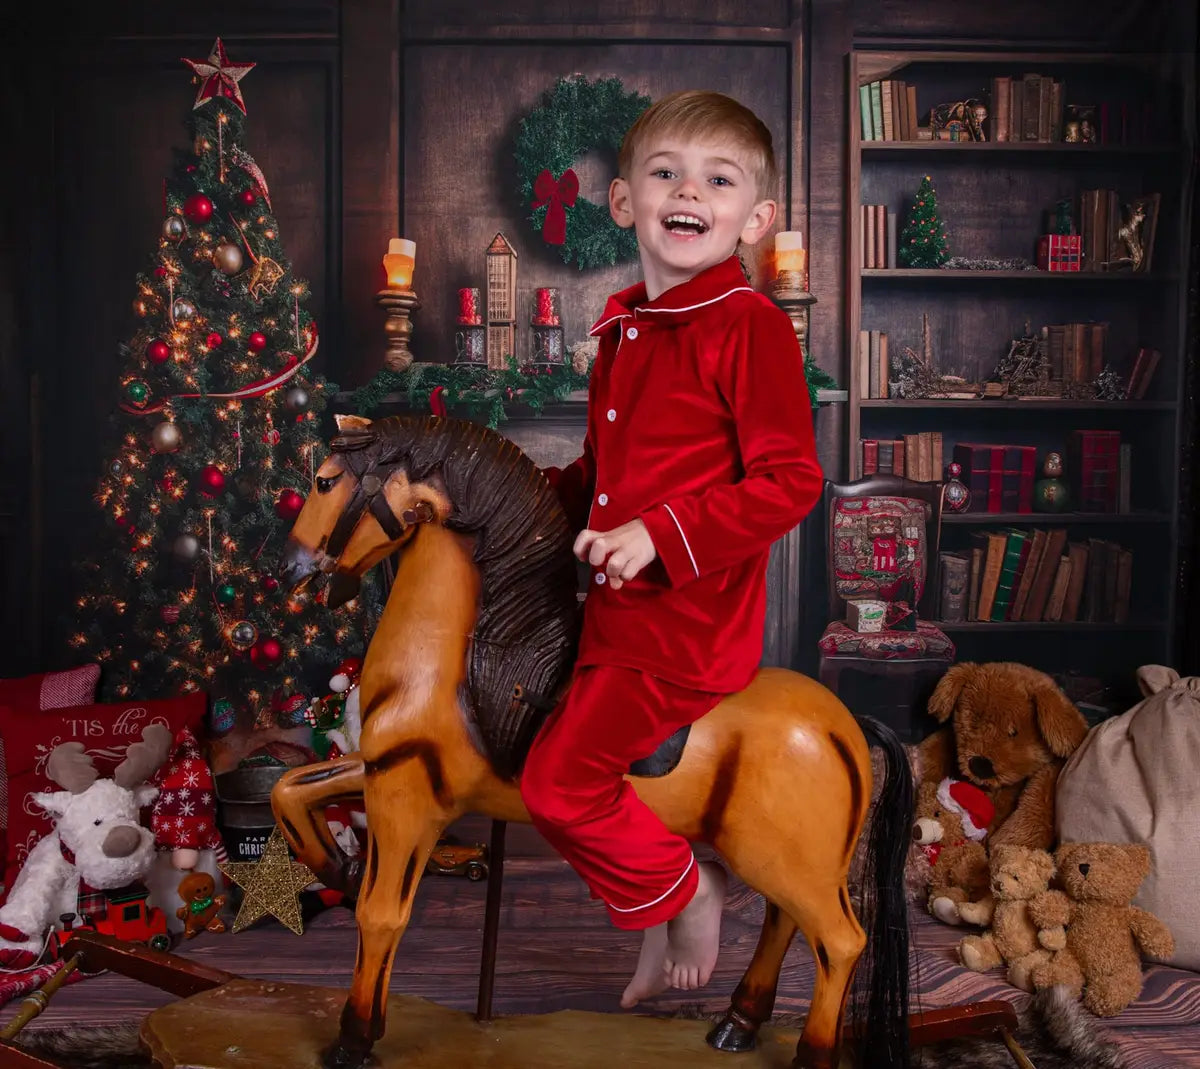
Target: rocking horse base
287, 1026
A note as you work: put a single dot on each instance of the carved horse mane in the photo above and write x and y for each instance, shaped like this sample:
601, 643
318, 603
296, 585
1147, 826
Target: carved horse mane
528, 623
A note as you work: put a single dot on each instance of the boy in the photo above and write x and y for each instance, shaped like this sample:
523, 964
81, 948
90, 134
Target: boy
699, 454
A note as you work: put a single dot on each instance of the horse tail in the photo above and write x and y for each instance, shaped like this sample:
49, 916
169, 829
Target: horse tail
881, 981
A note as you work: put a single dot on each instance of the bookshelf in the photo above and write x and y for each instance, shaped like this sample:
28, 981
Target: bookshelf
994, 198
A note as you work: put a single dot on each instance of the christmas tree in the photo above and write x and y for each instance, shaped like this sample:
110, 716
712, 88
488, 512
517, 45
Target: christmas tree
923, 240
217, 437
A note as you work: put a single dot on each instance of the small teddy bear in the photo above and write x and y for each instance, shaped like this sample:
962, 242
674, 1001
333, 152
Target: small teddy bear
201, 910
952, 819
1019, 874
1104, 932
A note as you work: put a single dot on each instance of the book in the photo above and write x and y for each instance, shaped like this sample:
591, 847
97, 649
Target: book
877, 111
973, 579
1092, 457
997, 542
864, 363
1124, 572
888, 108
1043, 580
1144, 365
873, 365
883, 364
1033, 558
1058, 590
864, 109
1014, 543
870, 456
953, 576
1078, 552
1124, 477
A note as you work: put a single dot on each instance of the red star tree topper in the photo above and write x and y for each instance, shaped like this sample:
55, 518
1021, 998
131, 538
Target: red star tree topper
219, 77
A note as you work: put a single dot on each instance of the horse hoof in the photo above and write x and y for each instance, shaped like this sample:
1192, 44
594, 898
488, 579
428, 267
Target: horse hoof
342, 1057
732, 1037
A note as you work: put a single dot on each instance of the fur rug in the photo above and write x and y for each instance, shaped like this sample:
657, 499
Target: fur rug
1056, 1032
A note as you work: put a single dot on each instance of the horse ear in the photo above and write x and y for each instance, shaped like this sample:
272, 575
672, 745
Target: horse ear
350, 423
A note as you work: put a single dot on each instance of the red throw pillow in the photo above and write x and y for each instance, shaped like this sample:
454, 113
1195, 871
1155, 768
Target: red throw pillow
105, 731
49, 690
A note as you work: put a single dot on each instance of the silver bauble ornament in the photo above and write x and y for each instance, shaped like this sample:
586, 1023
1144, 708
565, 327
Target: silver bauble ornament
186, 547
296, 399
166, 437
183, 310
174, 228
243, 635
116, 467
227, 258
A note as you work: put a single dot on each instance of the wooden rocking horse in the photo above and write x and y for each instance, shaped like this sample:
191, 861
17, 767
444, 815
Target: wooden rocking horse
473, 647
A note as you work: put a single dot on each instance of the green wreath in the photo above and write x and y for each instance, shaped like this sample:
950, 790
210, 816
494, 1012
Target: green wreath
574, 117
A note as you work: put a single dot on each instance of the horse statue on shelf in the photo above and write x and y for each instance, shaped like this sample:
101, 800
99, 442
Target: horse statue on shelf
473, 647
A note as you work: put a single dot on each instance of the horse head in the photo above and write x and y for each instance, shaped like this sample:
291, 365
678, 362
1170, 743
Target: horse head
364, 506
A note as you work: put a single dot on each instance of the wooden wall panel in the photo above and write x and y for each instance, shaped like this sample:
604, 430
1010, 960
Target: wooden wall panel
460, 181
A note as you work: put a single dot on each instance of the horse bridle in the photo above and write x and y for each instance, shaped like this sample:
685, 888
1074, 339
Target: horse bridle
368, 494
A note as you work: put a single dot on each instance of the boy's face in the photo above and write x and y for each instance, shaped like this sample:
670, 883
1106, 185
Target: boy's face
690, 202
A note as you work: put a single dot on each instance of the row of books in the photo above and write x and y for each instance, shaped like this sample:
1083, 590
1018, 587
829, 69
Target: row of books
878, 236
888, 110
914, 456
873, 363
1076, 351
1015, 574
1026, 108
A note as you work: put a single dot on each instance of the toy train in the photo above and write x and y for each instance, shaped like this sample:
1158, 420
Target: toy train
127, 916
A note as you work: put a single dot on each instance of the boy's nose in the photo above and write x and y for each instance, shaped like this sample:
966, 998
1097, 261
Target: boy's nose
688, 190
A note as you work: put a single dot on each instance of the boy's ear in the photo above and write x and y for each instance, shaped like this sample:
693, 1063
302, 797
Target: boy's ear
620, 203
760, 222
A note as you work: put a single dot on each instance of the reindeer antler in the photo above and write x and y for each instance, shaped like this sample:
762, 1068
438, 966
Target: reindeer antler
142, 759
71, 768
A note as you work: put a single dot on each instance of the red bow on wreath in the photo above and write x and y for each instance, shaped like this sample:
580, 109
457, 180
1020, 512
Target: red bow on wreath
560, 195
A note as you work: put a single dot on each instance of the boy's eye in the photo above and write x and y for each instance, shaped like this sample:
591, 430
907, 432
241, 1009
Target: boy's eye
720, 180
664, 172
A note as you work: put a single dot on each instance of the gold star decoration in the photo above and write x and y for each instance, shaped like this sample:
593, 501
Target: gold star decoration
218, 77
264, 275
272, 885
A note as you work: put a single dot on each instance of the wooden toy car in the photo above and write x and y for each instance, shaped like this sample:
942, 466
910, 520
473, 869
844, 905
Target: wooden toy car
452, 858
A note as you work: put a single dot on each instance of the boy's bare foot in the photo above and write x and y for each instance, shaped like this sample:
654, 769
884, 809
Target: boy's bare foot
694, 936
650, 978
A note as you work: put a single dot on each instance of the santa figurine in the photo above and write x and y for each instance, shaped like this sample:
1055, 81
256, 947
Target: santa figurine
335, 719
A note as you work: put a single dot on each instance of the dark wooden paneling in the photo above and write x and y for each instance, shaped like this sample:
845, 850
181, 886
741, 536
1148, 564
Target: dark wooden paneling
231, 20
460, 182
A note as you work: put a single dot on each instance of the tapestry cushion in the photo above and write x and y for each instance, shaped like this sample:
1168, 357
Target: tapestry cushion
879, 547
105, 731
47, 690
840, 640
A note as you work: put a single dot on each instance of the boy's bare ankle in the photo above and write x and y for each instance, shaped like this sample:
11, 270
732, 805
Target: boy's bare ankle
694, 936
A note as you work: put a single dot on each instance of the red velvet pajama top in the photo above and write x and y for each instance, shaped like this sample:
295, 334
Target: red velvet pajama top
699, 422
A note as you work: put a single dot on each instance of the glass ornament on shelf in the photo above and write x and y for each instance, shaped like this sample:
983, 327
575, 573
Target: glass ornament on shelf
955, 494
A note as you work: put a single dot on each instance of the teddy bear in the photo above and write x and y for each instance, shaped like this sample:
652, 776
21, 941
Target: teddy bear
1106, 936
951, 821
201, 909
1011, 730
1018, 876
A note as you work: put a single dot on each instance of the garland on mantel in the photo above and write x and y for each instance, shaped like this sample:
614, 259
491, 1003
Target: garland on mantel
491, 392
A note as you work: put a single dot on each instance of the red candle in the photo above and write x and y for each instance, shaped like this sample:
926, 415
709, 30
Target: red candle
546, 314
468, 307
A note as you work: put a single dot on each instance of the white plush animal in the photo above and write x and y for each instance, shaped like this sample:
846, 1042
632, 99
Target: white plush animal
97, 843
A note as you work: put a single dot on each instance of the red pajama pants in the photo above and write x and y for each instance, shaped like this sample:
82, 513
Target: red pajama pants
575, 793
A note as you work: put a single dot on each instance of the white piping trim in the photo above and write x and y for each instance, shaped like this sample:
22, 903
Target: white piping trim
671, 513
690, 307
665, 894
611, 319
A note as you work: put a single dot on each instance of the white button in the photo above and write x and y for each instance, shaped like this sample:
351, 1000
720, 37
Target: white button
612, 414
602, 499
631, 333
601, 579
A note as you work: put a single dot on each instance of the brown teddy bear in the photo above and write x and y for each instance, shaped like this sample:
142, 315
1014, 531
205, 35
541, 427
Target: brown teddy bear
951, 820
1104, 932
201, 908
1011, 730
1019, 875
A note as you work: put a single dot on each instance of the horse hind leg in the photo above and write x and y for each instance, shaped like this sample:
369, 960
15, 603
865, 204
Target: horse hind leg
754, 1000
298, 801
403, 825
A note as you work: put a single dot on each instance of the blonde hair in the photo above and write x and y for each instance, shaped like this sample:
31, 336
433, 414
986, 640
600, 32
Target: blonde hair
695, 113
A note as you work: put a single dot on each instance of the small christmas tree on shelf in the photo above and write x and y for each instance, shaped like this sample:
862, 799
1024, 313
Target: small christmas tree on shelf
217, 439
923, 240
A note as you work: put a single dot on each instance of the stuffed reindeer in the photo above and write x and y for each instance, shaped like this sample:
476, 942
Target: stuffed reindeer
97, 843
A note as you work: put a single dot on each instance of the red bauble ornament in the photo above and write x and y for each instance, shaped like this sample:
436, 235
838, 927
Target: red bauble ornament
266, 652
198, 208
271, 437
269, 584
169, 614
257, 342
247, 197
288, 505
212, 480
158, 351
190, 168
160, 272
213, 340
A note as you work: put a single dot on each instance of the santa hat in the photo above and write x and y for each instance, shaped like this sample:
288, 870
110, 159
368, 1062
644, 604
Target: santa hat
970, 804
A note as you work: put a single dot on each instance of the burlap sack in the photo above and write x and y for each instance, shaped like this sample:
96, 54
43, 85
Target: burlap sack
1136, 779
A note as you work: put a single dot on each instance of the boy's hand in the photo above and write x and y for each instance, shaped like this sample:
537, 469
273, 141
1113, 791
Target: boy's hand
623, 552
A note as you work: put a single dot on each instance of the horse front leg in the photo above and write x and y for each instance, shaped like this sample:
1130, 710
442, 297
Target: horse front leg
298, 800
403, 826
754, 1000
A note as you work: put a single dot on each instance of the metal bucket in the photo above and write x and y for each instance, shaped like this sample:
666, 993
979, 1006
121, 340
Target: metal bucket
244, 814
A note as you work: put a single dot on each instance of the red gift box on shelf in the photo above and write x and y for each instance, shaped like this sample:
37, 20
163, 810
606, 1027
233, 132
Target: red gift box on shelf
1060, 252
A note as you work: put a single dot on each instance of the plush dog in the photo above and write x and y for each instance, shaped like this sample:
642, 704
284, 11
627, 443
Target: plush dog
951, 821
201, 909
1106, 936
1010, 731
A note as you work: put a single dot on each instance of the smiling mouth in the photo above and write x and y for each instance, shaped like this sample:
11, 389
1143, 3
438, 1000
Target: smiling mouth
685, 224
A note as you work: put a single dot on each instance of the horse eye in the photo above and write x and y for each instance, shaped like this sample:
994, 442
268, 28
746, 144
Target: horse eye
324, 485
